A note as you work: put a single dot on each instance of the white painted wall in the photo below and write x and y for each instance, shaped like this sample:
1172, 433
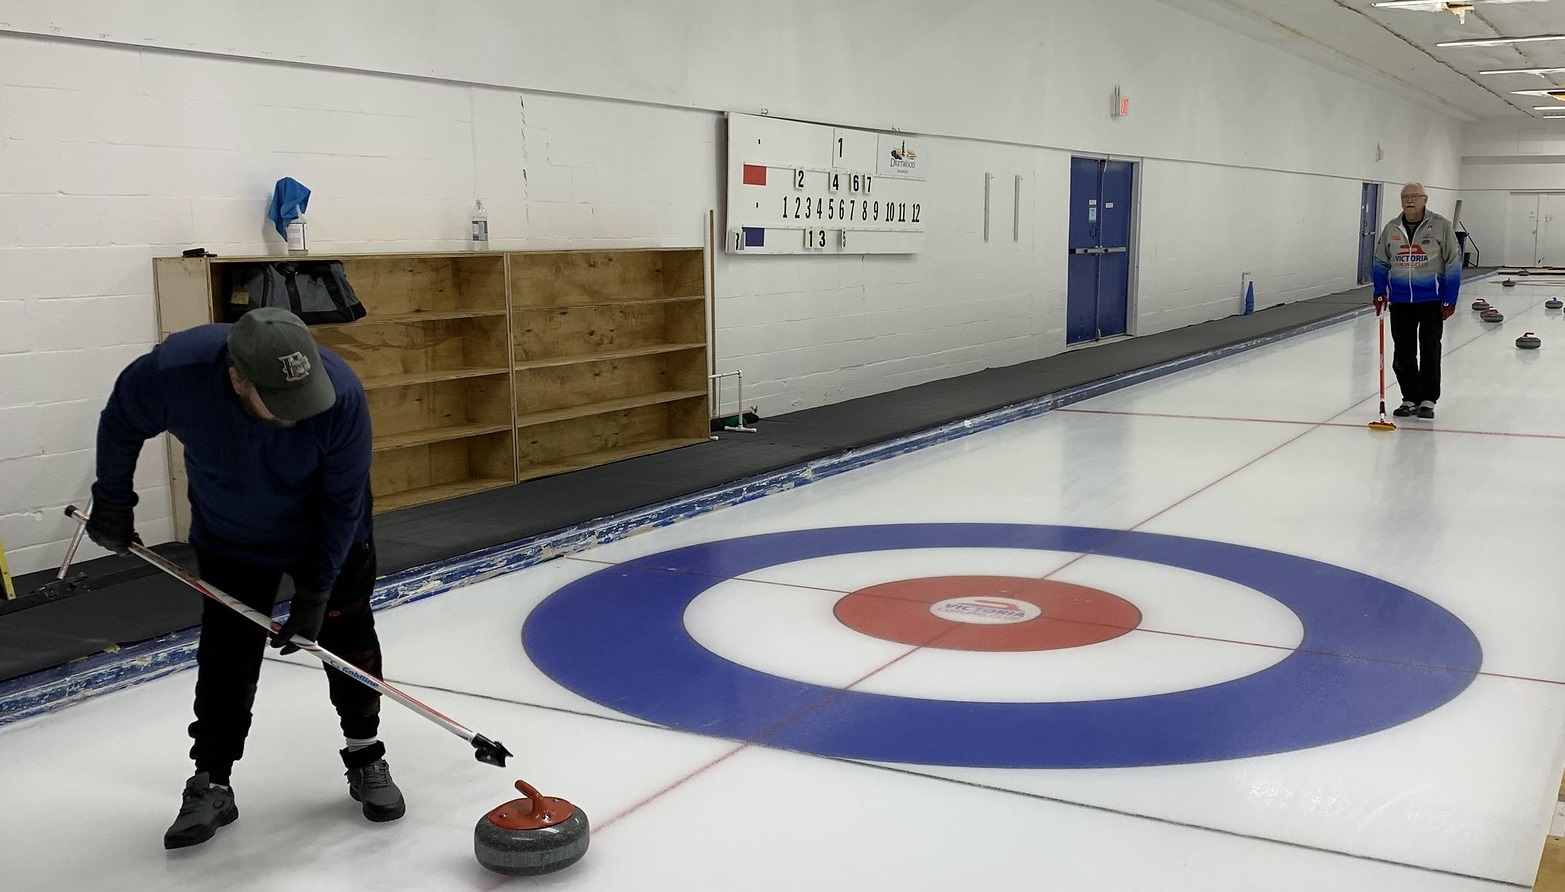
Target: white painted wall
130, 130
1500, 157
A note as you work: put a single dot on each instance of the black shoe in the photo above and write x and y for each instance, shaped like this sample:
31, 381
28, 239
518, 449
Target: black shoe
204, 809
1426, 409
369, 782
1405, 410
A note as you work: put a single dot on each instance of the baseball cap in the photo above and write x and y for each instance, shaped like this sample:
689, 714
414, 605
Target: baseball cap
275, 351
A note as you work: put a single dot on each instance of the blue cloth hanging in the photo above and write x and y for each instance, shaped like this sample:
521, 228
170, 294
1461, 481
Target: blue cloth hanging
290, 198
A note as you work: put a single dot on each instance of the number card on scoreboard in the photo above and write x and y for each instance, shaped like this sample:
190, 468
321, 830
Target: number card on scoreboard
798, 188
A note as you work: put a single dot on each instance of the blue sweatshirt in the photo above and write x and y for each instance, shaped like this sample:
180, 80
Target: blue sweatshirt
1422, 265
295, 498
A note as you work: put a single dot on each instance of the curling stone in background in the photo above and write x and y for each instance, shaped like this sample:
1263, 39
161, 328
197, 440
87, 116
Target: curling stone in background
1492, 315
1509, 283
533, 835
1553, 303
1529, 341
1480, 305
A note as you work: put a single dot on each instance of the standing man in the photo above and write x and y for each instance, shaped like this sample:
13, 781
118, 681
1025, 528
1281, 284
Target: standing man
1418, 268
277, 447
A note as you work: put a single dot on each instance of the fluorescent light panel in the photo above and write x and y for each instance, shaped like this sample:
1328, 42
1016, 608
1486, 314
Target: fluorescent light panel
1538, 71
1500, 41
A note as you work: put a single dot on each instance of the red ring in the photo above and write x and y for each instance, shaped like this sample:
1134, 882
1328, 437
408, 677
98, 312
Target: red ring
1012, 613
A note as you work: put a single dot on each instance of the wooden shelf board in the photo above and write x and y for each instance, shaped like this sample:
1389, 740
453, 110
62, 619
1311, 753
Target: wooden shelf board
404, 318
426, 494
437, 435
604, 355
551, 308
407, 378
606, 406
593, 459
368, 256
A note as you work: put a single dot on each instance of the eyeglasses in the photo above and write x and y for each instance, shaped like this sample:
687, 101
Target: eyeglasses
1406, 197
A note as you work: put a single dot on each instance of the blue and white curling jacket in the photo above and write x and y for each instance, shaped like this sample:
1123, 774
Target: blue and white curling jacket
1422, 265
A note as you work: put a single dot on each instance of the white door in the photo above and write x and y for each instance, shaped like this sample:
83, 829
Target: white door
1521, 230
1551, 230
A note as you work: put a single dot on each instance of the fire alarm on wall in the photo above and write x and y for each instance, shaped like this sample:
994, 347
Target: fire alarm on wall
1121, 104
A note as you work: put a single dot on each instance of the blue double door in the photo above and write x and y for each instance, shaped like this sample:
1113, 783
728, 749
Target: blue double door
1097, 295
1369, 230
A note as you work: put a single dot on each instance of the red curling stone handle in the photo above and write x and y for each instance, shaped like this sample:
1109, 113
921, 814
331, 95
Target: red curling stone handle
533, 812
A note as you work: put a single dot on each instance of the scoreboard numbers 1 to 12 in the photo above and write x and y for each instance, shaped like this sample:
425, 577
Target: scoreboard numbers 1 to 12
833, 206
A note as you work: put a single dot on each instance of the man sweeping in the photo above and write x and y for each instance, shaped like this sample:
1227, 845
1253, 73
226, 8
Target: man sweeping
277, 447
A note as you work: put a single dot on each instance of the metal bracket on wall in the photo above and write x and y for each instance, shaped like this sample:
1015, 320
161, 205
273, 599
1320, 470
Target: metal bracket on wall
988, 180
1016, 211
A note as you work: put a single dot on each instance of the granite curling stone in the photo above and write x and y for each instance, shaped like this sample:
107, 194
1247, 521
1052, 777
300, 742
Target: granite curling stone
532, 835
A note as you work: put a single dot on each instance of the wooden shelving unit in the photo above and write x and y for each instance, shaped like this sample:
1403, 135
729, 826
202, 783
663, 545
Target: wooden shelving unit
611, 355
485, 369
434, 358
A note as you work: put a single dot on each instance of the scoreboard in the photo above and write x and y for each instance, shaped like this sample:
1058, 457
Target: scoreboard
800, 188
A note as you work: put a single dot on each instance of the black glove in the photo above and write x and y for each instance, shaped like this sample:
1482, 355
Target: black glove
305, 616
112, 525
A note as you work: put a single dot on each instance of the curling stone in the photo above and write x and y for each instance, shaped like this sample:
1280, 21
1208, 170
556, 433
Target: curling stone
533, 835
1492, 315
1480, 305
1509, 283
1529, 341
1553, 303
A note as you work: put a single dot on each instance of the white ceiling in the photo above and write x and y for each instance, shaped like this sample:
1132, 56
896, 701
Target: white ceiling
1395, 48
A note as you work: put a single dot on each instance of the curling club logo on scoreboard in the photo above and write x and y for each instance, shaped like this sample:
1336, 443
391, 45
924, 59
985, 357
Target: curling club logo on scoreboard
899, 159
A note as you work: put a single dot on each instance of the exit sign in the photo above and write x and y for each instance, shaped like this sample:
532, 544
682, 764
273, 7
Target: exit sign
1121, 107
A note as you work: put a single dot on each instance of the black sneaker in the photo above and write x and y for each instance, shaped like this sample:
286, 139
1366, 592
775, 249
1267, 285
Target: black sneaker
1426, 409
1405, 410
369, 782
204, 809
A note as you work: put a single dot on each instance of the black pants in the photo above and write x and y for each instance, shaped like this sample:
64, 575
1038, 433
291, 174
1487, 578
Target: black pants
228, 659
1415, 335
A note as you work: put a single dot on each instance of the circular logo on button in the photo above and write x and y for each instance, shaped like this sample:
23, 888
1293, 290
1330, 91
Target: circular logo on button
987, 613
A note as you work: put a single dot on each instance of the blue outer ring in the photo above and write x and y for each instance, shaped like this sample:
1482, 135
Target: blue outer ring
1374, 655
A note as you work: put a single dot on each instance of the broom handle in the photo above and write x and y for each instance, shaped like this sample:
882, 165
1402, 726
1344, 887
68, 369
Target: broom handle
1382, 362
325, 656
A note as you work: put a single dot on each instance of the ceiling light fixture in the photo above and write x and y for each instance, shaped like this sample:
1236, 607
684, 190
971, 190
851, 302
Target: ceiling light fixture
1501, 41
1459, 8
1537, 71
1552, 94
